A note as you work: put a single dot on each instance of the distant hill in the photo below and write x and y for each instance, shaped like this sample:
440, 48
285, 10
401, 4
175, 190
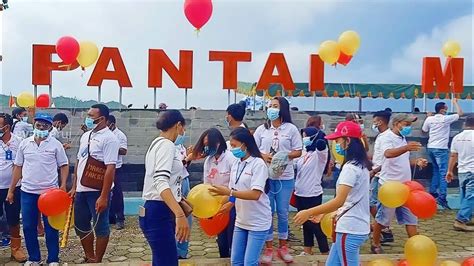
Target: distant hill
68, 103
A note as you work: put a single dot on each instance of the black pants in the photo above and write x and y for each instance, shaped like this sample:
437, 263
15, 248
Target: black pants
310, 229
12, 211
116, 213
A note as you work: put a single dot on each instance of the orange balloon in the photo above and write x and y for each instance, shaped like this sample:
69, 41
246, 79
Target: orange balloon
468, 262
421, 204
215, 225
403, 263
54, 202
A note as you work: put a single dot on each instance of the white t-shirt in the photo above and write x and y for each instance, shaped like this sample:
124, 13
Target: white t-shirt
377, 157
122, 138
23, 129
285, 138
357, 219
40, 164
253, 215
398, 168
104, 147
463, 145
438, 127
163, 170
181, 154
6, 166
54, 132
228, 141
217, 172
309, 173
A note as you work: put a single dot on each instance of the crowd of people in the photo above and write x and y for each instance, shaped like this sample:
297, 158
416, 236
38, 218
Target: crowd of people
255, 172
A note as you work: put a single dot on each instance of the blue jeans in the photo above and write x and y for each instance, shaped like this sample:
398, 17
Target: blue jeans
224, 239
29, 213
439, 158
158, 226
374, 192
247, 246
84, 213
184, 246
466, 185
116, 213
279, 195
345, 251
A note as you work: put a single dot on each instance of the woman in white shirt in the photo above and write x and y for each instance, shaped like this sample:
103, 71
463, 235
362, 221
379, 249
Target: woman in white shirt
162, 219
308, 189
351, 201
217, 168
247, 190
279, 135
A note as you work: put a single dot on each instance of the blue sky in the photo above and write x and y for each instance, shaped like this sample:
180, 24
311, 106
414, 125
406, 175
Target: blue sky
395, 36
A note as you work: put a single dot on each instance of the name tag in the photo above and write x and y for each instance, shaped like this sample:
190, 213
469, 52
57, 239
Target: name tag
85, 152
8, 155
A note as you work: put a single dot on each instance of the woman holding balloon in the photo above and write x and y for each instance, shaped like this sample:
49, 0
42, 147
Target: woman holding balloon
162, 219
352, 219
247, 190
217, 168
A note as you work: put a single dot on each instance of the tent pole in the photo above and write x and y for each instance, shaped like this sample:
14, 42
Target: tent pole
228, 97
35, 93
185, 99
154, 98
98, 96
360, 104
424, 102
235, 96
314, 102
452, 102
120, 97
50, 94
413, 104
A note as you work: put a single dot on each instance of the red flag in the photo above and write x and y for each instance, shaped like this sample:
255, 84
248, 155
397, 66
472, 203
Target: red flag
11, 101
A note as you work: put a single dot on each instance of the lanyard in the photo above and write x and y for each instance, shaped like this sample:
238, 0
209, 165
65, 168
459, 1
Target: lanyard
241, 171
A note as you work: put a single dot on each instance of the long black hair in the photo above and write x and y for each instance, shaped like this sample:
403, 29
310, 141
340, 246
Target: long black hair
285, 114
357, 154
215, 140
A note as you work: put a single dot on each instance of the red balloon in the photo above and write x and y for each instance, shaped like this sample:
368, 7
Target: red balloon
403, 263
468, 262
344, 59
53, 202
293, 199
421, 204
198, 12
42, 101
214, 225
414, 186
67, 49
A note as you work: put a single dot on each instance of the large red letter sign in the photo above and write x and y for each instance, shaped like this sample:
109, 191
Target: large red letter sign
159, 61
100, 73
433, 74
276, 60
230, 60
43, 66
316, 73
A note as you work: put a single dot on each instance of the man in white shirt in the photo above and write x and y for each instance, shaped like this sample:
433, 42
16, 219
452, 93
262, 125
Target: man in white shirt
462, 152
235, 115
116, 215
36, 164
21, 127
438, 127
95, 172
60, 121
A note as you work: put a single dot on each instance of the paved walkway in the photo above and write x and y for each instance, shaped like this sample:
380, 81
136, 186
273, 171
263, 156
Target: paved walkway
129, 245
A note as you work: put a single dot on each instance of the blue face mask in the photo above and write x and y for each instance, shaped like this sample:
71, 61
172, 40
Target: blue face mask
89, 122
405, 131
307, 141
1, 134
209, 151
273, 113
340, 150
375, 129
40, 133
179, 139
362, 127
24, 119
238, 152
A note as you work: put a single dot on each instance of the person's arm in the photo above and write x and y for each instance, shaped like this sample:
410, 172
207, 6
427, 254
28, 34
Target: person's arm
64, 170
110, 151
453, 159
123, 145
294, 154
63, 164
426, 125
15, 179
296, 144
458, 108
72, 192
395, 152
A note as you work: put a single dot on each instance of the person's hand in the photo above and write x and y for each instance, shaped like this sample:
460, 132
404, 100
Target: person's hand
226, 207
413, 146
67, 146
421, 162
449, 176
72, 192
101, 204
372, 173
267, 157
63, 187
84, 128
189, 149
316, 219
219, 191
10, 197
182, 229
301, 217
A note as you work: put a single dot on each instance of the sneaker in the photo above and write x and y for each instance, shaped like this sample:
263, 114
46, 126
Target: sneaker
302, 254
267, 256
120, 226
292, 237
443, 203
32, 263
376, 250
387, 236
53, 264
459, 226
284, 254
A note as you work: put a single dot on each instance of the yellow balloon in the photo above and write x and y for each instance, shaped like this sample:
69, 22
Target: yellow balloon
25, 99
349, 42
393, 194
88, 53
59, 221
337, 157
329, 52
380, 262
451, 48
420, 250
204, 204
450, 263
326, 224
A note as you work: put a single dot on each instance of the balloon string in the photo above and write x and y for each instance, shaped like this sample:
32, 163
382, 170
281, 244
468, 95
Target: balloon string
197, 32
88, 232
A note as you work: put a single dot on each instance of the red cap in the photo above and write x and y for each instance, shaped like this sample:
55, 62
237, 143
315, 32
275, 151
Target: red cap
346, 129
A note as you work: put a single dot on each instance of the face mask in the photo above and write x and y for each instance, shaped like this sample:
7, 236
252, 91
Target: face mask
323, 127
405, 131
24, 119
362, 126
375, 128
273, 113
40, 133
307, 141
179, 140
209, 152
1, 134
340, 150
227, 123
89, 122
238, 152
